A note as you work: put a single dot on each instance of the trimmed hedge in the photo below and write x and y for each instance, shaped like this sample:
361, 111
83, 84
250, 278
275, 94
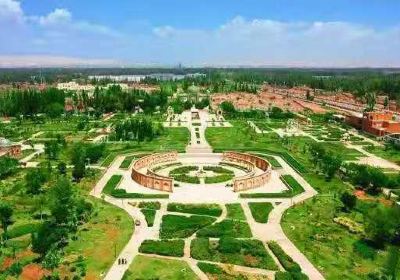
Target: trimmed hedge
149, 215
285, 260
186, 178
111, 184
198, 209
284, 275
175, 226
260, 211
294, 189
227, 228
172, 248
235, 211
210, 268
218, 179
20, 230
244, 252
123, 194
150, 205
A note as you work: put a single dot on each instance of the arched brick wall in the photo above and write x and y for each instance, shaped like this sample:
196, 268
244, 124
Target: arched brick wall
150, 179
249, 181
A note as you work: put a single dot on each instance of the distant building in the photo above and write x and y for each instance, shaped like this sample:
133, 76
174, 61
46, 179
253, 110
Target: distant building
7, 148
376, 123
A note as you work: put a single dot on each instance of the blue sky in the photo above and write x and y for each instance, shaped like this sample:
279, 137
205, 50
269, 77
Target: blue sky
324, 33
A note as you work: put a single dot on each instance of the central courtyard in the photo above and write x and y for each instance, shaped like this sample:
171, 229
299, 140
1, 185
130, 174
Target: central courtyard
186, 204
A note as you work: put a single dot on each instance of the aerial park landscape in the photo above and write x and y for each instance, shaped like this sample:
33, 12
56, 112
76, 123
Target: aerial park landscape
222, 167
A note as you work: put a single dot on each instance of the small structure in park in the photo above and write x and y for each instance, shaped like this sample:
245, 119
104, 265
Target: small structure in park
7, 148
170, 113
292, 126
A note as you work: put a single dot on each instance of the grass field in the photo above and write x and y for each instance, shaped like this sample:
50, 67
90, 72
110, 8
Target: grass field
260, 211
106, 234
235, 212
151, 268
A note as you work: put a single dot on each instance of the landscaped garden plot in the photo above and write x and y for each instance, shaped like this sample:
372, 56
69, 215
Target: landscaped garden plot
182, 174
263, 126
294, 189
198, 209
244, 252
389, 153
174, 226
235, 211
110, 189
332, 247
172, 248
144, 267
260, 211
285, 260
214, 271
149, 215
126, 163
226, 228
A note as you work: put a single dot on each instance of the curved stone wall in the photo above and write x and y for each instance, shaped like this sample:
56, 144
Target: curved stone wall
249, 181
150, 179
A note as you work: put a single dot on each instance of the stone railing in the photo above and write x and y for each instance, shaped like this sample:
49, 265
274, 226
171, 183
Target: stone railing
250, 162
151, 179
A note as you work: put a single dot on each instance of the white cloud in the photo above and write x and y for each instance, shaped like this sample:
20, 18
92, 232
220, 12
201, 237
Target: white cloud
10, 10
52, 61
257, 42
57, 17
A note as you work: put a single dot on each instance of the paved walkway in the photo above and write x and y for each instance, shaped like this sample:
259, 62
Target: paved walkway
373, 160
273, 230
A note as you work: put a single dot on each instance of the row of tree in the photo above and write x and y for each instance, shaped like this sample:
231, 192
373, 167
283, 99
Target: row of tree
136, 129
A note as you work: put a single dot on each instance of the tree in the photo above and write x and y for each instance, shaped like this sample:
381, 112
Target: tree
52, 149
371, 100
386, 102
349, 200
6, 213
62, 168
34, 180
63, 202
330, 164
382, 224
7, 166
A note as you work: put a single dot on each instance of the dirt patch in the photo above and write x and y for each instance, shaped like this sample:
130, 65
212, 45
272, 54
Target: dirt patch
33, 272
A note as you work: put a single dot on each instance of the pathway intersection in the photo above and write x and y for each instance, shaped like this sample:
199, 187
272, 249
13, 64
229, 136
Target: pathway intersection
270, 231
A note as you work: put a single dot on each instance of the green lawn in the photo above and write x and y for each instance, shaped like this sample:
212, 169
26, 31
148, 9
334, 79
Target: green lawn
198, 209
163, 247
174, 226
227, 228
235, 211
151, 268
388, 153
105, 234
245, 252
260, 211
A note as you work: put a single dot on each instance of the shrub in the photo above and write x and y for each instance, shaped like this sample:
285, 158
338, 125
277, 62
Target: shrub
172, 248
260, 211
226, 228
364, 250
150, 205
120, 193
149, 215
174, 226
183, 170
218, 179
210, 268
245, 252
198, 209
186, 179
285, 260
17, 231
293, 185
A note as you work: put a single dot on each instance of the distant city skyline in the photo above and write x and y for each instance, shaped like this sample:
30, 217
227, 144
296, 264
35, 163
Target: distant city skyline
286, 33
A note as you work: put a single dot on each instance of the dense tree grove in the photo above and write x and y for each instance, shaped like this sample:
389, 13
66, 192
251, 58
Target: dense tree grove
29, 102
139, 129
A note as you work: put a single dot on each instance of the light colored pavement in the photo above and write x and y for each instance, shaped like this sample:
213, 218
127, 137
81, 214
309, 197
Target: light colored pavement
373, 160
265, 232
273, 230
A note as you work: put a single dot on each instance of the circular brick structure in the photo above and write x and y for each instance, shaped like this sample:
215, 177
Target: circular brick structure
258, 170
